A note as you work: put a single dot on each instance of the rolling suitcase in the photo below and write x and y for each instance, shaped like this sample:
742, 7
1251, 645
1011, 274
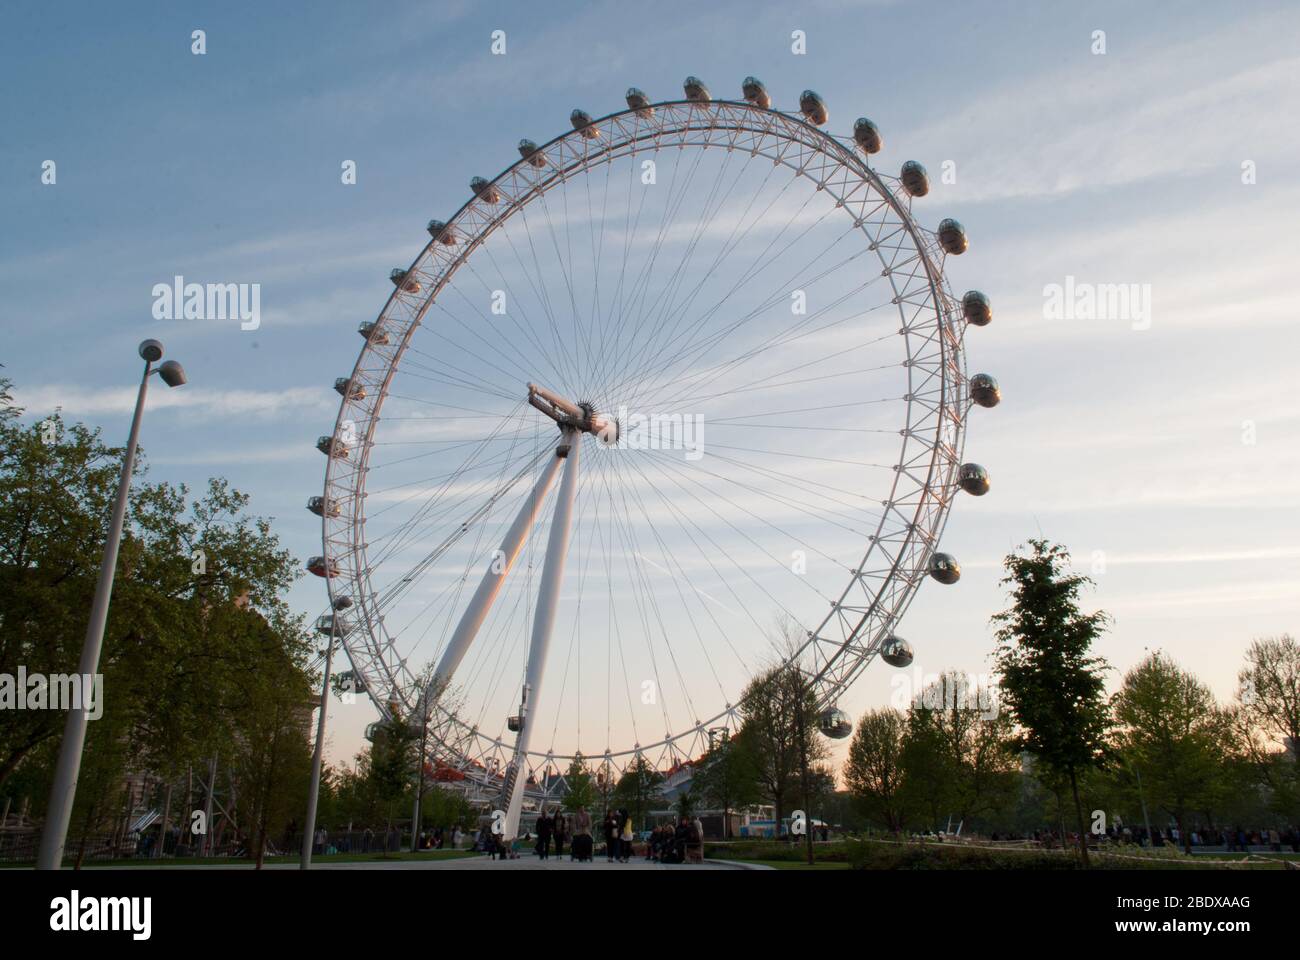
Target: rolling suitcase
582, 848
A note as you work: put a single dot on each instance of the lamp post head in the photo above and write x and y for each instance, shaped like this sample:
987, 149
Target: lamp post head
172, 373
151, 350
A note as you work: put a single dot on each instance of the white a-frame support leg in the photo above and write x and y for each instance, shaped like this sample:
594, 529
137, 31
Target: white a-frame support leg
548, 596
493, 580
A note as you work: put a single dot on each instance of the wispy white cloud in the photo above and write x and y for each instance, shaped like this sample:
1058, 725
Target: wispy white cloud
1258, 595
1128, 116
199, 402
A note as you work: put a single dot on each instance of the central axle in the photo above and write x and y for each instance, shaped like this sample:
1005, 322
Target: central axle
573, 416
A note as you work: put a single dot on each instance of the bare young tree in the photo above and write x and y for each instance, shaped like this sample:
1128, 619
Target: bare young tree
1265, 721
779, 727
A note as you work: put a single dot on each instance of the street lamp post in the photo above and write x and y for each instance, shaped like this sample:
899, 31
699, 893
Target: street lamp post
318, 754
58, 815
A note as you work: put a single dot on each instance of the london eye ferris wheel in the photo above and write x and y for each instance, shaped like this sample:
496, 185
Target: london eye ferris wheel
686, 371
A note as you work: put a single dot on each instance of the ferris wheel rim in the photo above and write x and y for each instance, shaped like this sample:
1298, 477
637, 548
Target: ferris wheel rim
945, 462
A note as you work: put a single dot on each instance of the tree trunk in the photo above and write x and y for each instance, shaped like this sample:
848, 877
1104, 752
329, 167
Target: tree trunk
803, 783
1078, 811
418, 814
162, 827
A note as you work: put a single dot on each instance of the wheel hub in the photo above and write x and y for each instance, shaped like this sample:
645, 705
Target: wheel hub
569, 415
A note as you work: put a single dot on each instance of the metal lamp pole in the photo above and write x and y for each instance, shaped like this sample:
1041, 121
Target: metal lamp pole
58, 815
309, 825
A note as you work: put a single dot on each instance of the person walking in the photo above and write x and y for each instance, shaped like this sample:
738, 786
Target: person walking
611, 836
545, 827
487, 842
561, 833
581, 846
681, 841
625, 838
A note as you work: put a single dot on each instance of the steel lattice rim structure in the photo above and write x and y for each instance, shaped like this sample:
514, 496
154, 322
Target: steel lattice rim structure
925, 477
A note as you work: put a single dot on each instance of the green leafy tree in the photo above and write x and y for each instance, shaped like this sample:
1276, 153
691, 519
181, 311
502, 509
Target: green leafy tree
56, 483
874, 771
391, 765
927, 792
98, 809
271, 717
352, 801
197, 617
638, 788
778, 731
1051, 682
1171, 729
581, 786
447, 808
970, 761
724, 779
687, 802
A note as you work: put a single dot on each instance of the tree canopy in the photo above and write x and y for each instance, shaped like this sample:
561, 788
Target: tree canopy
202, 656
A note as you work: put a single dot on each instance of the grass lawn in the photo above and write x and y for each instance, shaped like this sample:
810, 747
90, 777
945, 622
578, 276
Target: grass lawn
226, 861
800, 865
880, 854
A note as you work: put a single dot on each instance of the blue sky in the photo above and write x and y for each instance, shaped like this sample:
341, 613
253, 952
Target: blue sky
1119, 168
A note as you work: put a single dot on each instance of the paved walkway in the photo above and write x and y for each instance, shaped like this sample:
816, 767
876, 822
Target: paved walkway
481, 862
532, 862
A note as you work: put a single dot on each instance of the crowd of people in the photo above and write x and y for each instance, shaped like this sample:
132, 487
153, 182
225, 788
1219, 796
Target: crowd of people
1233, 839
439, 838
1230, 840
682, 842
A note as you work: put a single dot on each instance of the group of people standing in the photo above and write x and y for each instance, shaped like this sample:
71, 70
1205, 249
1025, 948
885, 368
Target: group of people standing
682, 842
552, 826
556, 826
617, 827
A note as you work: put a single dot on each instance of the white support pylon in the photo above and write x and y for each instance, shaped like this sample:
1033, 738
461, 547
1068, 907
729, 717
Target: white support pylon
480, 605
493, 579
548, 595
